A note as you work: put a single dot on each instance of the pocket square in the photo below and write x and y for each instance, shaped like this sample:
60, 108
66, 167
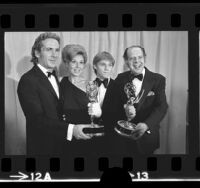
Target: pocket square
151, 93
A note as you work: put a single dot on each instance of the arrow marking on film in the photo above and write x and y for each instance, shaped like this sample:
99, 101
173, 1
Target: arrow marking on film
21, 176
132, 175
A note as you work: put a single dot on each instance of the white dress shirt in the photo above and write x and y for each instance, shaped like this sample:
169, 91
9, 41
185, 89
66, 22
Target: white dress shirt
70, 132
101, 93
52, 79
54, 84
138, 83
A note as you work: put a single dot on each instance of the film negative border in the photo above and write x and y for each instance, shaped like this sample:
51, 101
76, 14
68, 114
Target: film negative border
87, 17
102, 21
145, 168
109, 17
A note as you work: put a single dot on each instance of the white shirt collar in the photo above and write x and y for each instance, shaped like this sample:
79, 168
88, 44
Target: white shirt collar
105, 78
43, 69
143, 72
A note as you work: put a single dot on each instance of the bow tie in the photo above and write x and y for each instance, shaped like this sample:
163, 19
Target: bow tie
53, 73
139, 76
104, 82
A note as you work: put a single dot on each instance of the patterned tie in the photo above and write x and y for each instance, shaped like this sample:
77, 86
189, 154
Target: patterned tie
104, 82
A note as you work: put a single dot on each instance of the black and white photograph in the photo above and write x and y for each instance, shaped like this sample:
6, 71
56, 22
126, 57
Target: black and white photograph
102, 93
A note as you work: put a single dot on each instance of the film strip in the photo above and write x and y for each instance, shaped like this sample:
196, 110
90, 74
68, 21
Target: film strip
101, 27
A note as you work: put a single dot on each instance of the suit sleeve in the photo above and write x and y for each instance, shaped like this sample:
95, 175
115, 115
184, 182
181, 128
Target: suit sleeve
160, 108
33, 110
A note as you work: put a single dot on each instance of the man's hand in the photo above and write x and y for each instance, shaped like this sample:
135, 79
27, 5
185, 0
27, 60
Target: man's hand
78, 131
94, 109
130, 111
140, 129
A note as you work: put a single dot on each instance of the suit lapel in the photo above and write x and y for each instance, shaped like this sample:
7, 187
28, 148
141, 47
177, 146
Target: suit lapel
59, 88
44, 81
146, 87
107, 94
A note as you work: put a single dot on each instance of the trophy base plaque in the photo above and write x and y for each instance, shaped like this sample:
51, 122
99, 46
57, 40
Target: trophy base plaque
125, 128
94, 130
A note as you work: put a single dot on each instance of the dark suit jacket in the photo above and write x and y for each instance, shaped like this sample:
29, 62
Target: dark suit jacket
150, 109
107, 108
104, 144
40, 104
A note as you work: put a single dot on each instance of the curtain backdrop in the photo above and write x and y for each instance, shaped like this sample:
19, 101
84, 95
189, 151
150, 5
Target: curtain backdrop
167, 54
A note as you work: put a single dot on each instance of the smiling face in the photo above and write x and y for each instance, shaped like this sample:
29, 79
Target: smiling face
103, 69
49, 53
135, 60
76, 65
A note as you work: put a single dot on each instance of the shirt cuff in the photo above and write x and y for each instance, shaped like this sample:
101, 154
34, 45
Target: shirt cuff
70, 132
148, 131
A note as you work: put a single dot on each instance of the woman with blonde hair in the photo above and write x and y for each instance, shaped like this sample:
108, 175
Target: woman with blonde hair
75, 105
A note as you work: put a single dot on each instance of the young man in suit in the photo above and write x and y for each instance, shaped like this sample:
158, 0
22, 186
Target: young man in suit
148, 112
103, 64
39, 94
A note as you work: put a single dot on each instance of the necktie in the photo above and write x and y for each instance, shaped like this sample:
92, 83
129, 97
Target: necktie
139, 76
53, 73
104, 82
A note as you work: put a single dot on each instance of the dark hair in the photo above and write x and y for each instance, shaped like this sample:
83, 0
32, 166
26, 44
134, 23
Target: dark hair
71, 50
125, 56
38, 44
103, 56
